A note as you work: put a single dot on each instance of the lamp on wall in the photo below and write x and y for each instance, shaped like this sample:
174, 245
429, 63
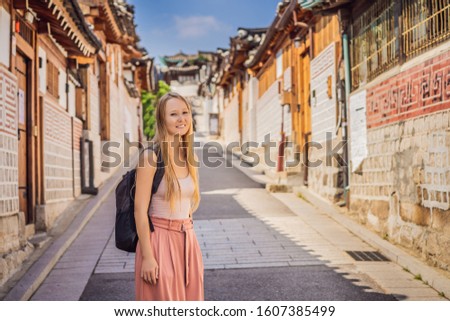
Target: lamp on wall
29, 14
29, 17
297, 42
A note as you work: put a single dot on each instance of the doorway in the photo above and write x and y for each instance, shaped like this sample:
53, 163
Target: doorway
23, 70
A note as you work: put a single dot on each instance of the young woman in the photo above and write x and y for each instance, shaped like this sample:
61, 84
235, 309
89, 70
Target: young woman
168, 263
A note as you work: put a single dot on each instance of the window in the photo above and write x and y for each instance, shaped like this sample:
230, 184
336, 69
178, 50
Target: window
279, 59
425, 23
5, 36
52, 79
267, 78
376, 36
374, 42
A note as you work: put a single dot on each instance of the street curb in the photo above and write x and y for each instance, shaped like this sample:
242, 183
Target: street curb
434, 278
428, 274
35, 276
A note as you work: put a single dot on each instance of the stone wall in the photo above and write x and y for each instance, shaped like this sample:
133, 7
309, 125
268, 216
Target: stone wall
77, 133
403, 187
324, 173
58, 165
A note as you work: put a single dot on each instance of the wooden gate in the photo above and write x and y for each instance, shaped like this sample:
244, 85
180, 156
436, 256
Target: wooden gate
23, 105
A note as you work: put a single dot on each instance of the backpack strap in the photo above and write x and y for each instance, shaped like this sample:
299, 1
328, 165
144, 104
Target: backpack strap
159, 174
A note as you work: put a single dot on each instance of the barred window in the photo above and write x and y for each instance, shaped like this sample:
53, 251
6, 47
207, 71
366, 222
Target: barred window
425, 24
375, 37
374, 42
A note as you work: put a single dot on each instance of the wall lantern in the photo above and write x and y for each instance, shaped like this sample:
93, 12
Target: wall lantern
297, 42
29, 17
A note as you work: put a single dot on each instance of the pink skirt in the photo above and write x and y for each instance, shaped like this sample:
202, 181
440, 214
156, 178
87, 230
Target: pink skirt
180, 263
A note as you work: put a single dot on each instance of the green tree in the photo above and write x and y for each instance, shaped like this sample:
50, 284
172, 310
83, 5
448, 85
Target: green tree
149, 102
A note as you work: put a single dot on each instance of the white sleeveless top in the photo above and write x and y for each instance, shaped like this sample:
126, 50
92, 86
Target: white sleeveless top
159, 207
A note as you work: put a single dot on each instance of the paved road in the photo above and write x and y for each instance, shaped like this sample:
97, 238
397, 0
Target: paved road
245, 258
256, 246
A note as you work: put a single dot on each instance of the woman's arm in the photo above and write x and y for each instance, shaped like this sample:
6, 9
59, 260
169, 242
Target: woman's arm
144, 179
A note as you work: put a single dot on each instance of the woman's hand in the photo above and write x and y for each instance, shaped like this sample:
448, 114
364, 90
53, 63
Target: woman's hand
149, 270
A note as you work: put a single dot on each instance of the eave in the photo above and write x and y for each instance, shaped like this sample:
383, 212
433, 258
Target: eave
64, 21
282, 26
113, 31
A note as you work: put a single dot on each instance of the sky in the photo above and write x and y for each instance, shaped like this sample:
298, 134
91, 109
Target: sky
168, 26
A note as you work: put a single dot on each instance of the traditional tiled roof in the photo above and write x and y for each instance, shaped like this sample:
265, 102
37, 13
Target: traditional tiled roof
322, 4
146, 74
131, 88
183, 69
124, 15
119, 16
284, 21
65, 22
245, 41
181, 56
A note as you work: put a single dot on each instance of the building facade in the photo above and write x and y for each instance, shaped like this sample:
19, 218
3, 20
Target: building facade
63, 94
368, 83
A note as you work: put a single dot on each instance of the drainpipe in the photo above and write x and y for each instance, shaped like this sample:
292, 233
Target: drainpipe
345, 48
280, 163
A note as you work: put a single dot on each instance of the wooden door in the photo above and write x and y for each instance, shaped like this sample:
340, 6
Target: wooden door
22, 115
305, 111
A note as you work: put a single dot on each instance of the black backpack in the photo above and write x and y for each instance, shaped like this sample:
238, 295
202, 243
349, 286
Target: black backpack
125, 227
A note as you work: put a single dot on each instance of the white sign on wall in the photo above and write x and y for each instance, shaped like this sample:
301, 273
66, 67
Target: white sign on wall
358, 129
279, 61
287, 79
5, 36
21, 103
42, 70
62, 88
323, 94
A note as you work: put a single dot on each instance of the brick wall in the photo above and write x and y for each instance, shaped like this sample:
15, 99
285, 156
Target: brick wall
323, 94
245, 113
94, 133
77, 133
268, 115
231, 121
118, 101
421, 90
9, 199
125, 121
403, 188
326, 178
14, 248
116, 104
9, 182
57, 153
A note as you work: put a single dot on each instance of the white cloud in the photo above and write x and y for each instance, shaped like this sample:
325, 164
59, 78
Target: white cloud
196, 26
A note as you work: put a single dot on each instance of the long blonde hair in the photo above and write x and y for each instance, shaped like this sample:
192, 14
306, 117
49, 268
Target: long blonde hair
173, 191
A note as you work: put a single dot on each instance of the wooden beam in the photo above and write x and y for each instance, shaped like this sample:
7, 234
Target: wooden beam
81, 60
94, 11
42, 27
101, 26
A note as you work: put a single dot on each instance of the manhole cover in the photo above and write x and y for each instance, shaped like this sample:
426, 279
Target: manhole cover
367, 256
